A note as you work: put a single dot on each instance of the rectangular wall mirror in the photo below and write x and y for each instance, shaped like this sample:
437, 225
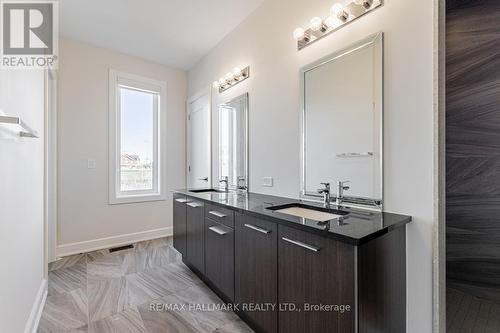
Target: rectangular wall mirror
342, 124
233, 142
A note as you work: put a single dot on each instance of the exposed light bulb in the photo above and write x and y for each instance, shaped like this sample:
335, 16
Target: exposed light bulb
365, 3
316, 23
222, 81
331, 22
216, 84
237, 72
299, 34
338, 11
229, 77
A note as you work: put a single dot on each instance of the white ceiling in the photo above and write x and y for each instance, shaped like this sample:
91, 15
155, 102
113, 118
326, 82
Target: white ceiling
177, 33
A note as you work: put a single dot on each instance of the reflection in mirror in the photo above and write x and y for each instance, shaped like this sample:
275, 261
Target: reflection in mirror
342, 124
233, 142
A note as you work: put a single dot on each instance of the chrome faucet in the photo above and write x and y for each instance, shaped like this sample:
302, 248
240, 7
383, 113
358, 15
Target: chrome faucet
225, 180
326, 193
341, 187
241, 186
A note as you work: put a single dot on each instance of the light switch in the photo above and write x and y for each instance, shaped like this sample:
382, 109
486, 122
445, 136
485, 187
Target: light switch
267, 181
91, 163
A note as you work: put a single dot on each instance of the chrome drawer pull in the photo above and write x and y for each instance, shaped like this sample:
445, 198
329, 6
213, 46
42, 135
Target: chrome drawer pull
304, 245
264, 231
194, 204
181, 200
218, 230
215, 213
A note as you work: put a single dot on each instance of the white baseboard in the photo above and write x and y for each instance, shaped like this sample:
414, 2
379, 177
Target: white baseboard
37, 309
104, 243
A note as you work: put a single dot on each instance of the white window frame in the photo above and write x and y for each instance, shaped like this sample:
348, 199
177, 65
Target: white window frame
117, 80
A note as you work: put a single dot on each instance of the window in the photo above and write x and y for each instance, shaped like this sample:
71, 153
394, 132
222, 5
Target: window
136, 115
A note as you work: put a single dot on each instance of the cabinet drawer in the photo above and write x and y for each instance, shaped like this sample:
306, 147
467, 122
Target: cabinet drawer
219, 257
220, 214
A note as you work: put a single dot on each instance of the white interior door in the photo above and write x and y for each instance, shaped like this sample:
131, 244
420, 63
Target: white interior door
199, 160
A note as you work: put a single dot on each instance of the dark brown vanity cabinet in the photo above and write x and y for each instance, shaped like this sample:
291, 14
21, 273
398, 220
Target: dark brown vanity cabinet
195, 235
257, 270
315, 271
288, 280
219, 257
179, 223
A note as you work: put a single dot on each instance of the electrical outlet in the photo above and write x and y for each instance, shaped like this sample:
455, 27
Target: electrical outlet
91, 163
268, 181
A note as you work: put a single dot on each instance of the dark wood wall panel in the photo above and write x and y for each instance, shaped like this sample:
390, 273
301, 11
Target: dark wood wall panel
473, 147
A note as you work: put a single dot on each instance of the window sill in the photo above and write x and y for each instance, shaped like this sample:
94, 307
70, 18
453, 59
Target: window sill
128, 199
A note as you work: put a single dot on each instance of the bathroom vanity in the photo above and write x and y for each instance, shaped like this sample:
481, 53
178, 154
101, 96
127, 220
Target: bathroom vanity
291, 274
311, 265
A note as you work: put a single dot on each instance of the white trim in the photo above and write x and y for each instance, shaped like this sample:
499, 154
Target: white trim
159, 173
37, 309
439, 170
107, 242
50, 171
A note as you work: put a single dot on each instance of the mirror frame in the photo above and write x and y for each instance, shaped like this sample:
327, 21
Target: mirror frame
360, 202
247, 164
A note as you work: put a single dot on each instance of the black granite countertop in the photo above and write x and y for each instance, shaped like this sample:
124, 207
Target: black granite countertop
356, 227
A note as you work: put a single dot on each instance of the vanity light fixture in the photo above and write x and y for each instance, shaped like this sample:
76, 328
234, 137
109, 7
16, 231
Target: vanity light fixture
232, 78
340, 15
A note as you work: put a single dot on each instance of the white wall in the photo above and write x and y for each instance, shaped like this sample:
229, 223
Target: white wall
83, 211
22, 283
264, 41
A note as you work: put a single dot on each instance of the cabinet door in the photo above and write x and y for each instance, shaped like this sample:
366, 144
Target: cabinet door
219, 257
314, 270
180, 223
256, 270
195, 235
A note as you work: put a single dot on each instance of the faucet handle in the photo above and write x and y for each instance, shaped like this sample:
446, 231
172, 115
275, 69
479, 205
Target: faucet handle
224, 179
240, 180
326, 189
342, 183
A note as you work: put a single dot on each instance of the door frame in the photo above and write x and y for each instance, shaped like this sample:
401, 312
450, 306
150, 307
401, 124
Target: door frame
439, 225
50, 168
207, 91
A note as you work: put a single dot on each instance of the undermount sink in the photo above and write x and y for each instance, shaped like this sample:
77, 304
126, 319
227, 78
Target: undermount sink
207, 190
307, 212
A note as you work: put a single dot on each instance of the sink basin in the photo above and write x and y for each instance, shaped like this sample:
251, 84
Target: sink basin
308, 212
206, 190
